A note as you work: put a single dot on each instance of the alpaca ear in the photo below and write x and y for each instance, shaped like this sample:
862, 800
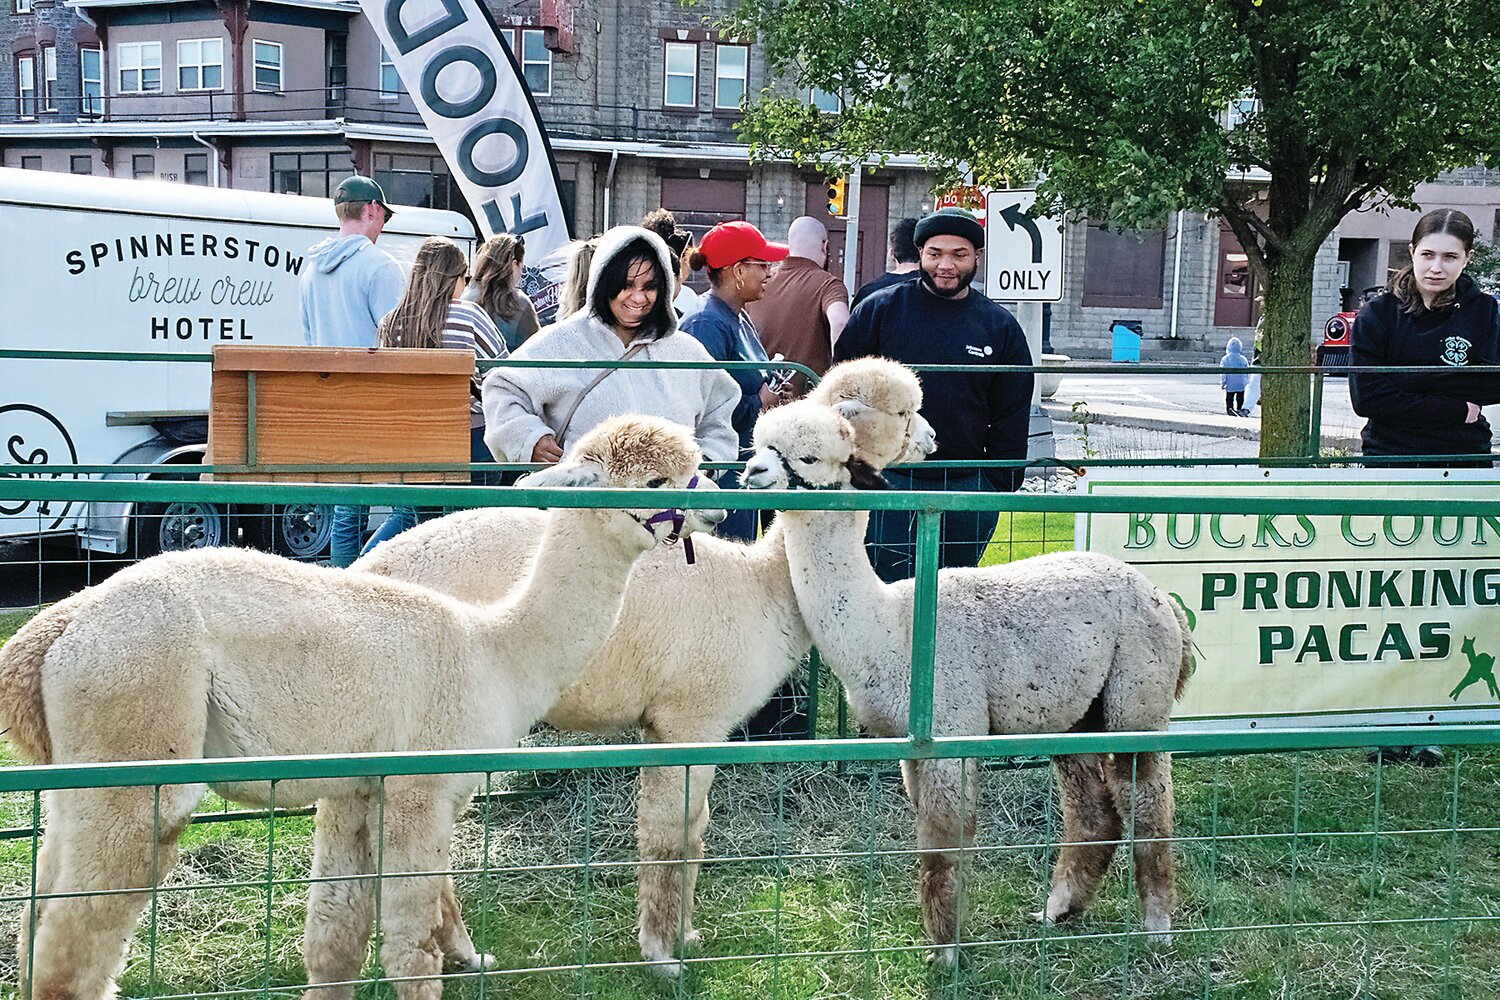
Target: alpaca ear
575, 475
864, 476
849, 409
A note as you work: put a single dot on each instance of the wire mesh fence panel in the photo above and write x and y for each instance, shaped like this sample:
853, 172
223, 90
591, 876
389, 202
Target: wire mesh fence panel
1314, 873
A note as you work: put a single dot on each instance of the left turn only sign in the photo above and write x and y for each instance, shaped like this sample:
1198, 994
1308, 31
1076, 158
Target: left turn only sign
1024, 253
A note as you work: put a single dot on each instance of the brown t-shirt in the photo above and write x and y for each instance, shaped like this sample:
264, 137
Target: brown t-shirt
792, 315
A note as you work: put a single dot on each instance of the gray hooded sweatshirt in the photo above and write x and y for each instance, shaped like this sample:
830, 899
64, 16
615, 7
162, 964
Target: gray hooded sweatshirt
349, 285
523, 405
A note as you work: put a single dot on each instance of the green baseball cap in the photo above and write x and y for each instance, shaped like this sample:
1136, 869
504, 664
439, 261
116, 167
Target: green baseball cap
357, 188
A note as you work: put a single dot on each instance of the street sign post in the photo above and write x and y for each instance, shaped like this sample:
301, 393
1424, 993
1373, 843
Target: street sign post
1023, 254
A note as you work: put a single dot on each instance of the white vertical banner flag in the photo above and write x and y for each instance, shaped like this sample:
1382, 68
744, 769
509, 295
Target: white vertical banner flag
475, 102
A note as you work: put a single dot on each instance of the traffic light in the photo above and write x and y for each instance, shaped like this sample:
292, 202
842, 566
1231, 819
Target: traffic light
836, 197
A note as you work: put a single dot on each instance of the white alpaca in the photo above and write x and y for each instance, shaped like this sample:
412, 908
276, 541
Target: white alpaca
1056, 643
229, 653
696, 650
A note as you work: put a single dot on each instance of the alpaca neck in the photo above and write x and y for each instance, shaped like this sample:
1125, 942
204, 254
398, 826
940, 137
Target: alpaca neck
853, 616
547, 633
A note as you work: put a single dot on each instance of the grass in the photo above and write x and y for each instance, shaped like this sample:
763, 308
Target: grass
1369, 863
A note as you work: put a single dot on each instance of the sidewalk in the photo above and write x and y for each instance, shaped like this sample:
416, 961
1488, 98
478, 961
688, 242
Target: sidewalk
1180, 422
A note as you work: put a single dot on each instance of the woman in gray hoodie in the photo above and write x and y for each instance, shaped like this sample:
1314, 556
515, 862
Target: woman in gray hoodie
531, 414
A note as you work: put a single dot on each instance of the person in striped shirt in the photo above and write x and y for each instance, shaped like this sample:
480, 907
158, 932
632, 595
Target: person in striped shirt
432, 314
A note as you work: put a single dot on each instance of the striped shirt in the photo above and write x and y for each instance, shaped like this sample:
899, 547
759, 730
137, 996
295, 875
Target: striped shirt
469, 328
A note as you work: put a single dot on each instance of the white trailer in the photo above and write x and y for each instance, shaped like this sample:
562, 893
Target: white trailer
100, 264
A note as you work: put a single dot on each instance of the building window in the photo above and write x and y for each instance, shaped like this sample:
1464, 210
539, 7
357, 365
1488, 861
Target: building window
336, 52
91, 79
200, 64
195, 169
680, 89
1123, 270
267, 66
312, 174
31, 163
731, 76
23, 6
49, 78
81, 164
26, 85
143, 166
422, 181
140, 67
390, 80
825, 101
536, 62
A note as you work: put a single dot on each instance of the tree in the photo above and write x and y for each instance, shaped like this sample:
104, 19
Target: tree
1120, 106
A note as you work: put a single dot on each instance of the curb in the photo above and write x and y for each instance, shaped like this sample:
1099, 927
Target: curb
1203, 424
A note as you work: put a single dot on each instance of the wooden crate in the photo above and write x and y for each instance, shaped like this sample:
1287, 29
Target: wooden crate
335, 406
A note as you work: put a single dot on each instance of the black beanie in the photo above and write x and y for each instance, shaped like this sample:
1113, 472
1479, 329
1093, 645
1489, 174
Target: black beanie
951, 222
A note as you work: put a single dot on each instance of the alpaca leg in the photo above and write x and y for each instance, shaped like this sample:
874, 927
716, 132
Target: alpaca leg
31, 915
336, 936
459, 953
418, 826
943, 792
1153, 816
104, 841
1091, 828
671, 819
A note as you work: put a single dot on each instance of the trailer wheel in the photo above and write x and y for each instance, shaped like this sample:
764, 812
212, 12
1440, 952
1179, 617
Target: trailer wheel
301, 531
177, 526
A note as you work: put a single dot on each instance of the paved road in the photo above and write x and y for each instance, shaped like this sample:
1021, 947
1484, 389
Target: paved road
31, 576
1188, 394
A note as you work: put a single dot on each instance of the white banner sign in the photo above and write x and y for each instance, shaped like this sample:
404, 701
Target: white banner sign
474, 100
1325, 618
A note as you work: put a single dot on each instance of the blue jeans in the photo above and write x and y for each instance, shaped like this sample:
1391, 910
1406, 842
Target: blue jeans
397, 521
891, 540
348, 532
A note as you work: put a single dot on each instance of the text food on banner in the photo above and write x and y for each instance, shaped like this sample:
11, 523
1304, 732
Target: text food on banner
1309, 619
474, 100
1023, 253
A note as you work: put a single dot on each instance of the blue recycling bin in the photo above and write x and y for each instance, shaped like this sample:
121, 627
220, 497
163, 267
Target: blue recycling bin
1125, 342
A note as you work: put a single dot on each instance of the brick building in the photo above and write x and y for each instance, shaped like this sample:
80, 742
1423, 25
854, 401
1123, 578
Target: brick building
640, 98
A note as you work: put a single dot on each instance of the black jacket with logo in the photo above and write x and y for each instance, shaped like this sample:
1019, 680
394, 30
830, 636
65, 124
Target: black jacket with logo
1423, 413
976, 415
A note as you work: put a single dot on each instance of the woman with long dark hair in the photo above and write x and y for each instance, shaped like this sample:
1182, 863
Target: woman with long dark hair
431, 314
625, 314
496, 288
1433, 316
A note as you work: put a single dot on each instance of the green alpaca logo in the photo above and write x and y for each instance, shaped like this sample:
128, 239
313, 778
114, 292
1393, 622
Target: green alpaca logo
1481, 668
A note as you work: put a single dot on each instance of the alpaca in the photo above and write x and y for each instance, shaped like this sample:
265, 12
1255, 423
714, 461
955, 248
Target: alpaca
1062, 642
228, 653
697, 648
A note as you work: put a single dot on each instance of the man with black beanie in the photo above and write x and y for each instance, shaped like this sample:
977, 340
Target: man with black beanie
939, 320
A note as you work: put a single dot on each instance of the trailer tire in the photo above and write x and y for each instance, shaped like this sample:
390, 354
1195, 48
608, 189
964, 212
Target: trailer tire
301, 531
177, 526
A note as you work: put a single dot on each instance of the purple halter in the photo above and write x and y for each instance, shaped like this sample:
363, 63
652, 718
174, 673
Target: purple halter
675, 517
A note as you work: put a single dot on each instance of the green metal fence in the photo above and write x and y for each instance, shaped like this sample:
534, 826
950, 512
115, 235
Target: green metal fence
1306, 868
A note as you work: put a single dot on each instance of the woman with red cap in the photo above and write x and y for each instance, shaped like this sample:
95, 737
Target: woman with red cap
739, 260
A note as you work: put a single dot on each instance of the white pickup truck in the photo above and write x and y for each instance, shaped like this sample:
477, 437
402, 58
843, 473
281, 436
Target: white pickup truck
99, 264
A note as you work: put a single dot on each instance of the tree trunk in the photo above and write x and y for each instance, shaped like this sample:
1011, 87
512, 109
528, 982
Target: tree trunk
1287, 340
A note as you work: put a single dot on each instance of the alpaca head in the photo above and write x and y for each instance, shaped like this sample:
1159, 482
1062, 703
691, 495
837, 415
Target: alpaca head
880, 399
636, 452
807, 445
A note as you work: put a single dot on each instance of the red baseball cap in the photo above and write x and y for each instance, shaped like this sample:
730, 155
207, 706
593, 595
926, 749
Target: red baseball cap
731, 242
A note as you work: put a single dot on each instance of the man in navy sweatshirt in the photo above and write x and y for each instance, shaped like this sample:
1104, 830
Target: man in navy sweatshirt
939, 320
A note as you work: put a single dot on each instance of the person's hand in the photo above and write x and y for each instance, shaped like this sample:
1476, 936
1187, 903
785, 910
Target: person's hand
1473, 415
774, 397
546, 450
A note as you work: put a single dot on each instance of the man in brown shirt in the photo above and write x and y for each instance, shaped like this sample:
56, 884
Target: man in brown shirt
804, 308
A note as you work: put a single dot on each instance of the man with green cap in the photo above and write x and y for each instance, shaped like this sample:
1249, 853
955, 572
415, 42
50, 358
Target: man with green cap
349, 284
939, 320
